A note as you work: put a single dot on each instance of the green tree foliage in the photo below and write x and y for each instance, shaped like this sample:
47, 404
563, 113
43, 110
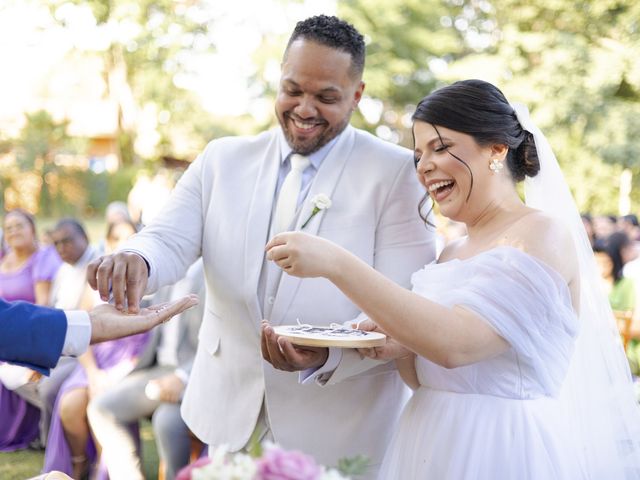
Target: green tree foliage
574, 64
41, 138
578, 61
151, 48
38, 182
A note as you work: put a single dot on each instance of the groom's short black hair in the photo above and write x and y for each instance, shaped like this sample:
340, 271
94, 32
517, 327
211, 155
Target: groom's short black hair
335, 33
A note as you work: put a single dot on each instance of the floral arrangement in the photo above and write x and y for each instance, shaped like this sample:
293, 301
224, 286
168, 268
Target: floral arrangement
270, 462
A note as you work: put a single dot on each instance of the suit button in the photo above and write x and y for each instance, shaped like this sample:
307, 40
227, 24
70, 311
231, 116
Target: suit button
271, 300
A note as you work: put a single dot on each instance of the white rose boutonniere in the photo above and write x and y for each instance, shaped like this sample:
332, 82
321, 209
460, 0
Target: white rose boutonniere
320, 202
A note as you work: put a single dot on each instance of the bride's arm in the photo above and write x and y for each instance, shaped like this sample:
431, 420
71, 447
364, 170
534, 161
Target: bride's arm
407, 369
450, 337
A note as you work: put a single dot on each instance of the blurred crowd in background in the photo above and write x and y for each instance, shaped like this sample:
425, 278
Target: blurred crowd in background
103, 394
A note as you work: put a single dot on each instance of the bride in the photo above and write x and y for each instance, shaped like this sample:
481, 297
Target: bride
511, 349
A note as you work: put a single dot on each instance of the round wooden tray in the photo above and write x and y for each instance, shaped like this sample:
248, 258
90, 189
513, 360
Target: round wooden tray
323, 336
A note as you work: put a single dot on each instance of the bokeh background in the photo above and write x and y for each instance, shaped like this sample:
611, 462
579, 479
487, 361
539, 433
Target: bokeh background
97, 95
110, 100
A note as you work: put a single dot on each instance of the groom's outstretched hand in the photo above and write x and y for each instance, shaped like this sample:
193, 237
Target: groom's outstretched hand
123, 275
283, 355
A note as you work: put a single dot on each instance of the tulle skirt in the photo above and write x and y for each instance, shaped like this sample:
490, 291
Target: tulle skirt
457, 436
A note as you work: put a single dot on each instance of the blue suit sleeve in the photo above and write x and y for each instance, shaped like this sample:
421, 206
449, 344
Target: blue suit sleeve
31, 335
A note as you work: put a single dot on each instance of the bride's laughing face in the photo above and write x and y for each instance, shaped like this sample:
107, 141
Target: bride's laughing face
449, 166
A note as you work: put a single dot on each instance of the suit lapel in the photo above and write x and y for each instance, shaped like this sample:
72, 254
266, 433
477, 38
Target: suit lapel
258, 220
324, 182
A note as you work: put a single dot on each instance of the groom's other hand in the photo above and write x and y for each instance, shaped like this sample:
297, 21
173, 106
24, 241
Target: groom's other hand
122, 275
283, 355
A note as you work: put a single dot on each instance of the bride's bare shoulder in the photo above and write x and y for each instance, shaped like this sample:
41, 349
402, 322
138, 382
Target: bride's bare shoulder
549, 240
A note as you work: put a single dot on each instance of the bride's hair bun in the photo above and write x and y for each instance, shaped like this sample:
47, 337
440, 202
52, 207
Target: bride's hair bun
524, 162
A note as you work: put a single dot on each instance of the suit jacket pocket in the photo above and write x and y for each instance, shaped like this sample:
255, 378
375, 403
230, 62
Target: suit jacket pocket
209, 336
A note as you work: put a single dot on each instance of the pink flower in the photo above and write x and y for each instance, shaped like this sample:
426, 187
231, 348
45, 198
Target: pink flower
185, 473
278, 464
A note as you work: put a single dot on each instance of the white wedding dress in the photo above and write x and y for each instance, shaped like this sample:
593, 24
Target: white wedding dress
500, 418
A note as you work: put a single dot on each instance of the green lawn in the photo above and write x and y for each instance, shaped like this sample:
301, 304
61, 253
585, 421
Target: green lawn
26, 464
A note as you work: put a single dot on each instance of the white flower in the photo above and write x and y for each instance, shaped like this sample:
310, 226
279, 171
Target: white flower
320, 202
225, 466
332, 474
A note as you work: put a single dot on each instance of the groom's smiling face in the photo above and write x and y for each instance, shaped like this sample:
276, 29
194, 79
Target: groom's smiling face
318, 92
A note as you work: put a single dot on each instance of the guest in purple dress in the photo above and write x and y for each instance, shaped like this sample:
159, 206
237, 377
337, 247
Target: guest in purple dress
70, 448
26, 272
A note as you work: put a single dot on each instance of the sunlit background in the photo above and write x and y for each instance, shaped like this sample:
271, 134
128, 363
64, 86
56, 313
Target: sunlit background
96, 93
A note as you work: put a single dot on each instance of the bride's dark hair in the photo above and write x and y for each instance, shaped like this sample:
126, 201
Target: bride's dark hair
481, 110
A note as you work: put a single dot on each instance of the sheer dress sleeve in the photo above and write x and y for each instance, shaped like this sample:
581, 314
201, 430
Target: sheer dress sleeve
525, 301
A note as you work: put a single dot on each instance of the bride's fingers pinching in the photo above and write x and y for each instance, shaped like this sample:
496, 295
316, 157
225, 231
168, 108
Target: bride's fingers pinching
368, 326
278, 253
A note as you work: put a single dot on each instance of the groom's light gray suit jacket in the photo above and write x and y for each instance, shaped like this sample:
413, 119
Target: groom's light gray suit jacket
221, 209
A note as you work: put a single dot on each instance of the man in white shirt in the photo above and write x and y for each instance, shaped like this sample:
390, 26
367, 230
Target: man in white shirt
68, 286
154, 388
67, 291
70, 282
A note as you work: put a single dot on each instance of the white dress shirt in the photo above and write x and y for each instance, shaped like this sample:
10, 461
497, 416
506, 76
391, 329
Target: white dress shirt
78, 336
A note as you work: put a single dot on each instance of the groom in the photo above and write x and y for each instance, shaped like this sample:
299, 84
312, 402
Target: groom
234, 197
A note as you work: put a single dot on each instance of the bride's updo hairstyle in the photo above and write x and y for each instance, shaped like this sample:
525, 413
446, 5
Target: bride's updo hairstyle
481, 110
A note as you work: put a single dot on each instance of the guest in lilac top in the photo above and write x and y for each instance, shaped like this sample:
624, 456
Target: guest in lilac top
26, 272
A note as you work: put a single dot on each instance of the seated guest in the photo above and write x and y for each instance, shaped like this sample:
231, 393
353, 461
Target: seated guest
154, 388
629, 224
609, 258
69, 445
69, 284
72, 244
26, 273
609, 253
604, 225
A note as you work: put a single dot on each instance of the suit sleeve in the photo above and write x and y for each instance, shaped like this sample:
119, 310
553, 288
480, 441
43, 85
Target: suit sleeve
173, 240
403, 244
31, 335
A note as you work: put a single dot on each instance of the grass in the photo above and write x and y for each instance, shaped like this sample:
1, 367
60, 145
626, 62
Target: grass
20, 465
25, 463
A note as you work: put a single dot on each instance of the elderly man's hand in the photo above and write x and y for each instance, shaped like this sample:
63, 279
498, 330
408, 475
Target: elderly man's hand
107, 323
283, 355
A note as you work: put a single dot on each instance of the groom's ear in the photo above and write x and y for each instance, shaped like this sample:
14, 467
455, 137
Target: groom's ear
357, 96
